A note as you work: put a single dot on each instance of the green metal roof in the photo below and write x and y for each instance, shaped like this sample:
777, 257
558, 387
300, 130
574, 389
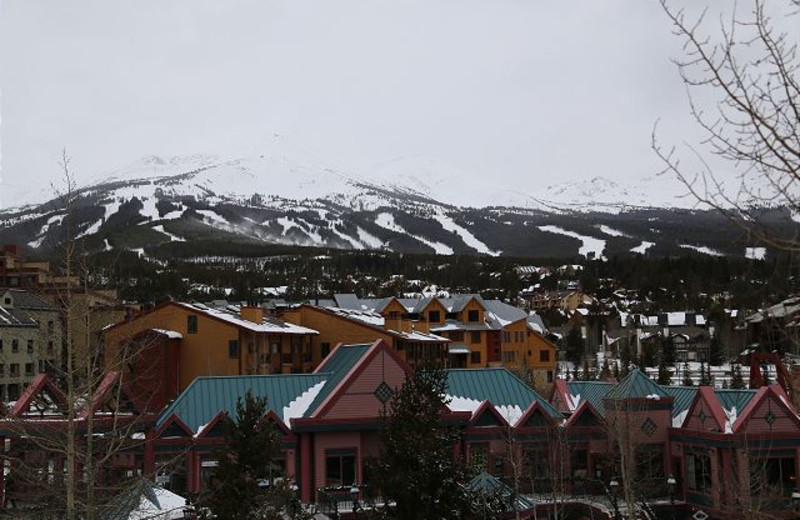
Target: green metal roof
592, 391
730, 398
683, 395
490, 485
205, 397
497, 385
634, 386
337, 365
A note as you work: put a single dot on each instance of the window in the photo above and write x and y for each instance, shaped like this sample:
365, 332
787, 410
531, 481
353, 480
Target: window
28, 369
544, 355
233, 349
15, 345
394, 315
326, 349
340, 467
14, 369
549, 376
475, 358
698, 473
191, 324
506, 337
434, 316
7, 300
475, 336
30, 346
457, 335
472, 316
772, 476
1, 345
50, 326
2, 369
50, 347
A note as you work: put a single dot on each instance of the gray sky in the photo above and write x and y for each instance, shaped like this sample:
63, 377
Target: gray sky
529, 92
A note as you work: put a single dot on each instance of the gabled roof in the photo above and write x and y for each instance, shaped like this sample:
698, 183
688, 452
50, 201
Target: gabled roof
144, 500
683, 397
591, 391
288, 395
491, 486
23, 299
468, 388
503, 312
636, 385
40, 386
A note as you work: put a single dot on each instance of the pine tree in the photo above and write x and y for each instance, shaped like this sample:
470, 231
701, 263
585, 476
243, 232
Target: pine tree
417, 468
668, 350
251, 445
664, 375
687, 375
574, 343
605, 371
587, 372
715, 356
615, 371
737, 381
705, 379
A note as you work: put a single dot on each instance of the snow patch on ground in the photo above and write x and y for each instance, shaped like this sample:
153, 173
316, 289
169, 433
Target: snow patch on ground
386, 221
369, 239
468, 238
172, 238
611, 231
755, 253
702, 249
643, 247
57, 219
590, 244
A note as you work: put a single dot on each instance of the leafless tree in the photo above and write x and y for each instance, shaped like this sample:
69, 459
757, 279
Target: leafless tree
749, 155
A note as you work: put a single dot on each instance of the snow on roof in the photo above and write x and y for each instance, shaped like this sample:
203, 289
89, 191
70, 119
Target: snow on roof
299, 406
268, 325
171, 334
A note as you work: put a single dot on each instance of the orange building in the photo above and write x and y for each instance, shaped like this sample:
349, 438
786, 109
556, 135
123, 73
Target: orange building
336, 325
230, 341
481, 332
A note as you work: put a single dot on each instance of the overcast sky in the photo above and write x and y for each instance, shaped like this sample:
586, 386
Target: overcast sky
529, 92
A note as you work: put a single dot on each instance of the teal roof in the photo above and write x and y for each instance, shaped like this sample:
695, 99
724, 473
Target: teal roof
490, 485
205, 397
634, 386
337, 365
730, 398
592, 391
683, 395
497, 385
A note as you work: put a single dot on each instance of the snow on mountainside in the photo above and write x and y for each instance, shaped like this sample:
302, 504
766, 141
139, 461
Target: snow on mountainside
286, 195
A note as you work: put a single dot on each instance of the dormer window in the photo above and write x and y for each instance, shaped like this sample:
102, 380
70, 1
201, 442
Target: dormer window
434, 316
394, 315
472, 316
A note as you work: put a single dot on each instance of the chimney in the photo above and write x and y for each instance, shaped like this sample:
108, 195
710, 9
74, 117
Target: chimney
254, 314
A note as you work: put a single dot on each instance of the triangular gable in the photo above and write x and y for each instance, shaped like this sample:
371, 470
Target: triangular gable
174, 427
273, 418
214, 428
326, 407
535, 416
705, 413
585, 416
487, 415
111, 396
561, 396
391, 304
767, 411
41, 397
434, 304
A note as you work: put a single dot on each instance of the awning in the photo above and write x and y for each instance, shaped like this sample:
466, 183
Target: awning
458, 349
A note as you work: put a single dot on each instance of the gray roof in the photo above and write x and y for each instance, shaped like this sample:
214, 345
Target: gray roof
504, 311
16, 318
27, 300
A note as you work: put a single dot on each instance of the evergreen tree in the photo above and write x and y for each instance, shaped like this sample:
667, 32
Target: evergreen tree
737, 381
668, 350
664, 375
705, 377
687, 375
587, 371
574, 344
251, 444
615, 370
417, 468
715, 356
605, 371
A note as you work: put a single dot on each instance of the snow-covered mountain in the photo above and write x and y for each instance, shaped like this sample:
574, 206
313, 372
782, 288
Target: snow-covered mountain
286, 195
